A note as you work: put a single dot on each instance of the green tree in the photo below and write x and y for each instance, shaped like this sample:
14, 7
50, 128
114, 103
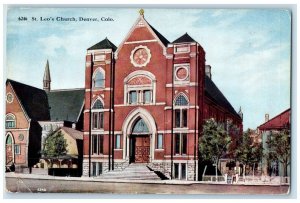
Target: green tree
279, 148
214, 142
55, 145
247, 153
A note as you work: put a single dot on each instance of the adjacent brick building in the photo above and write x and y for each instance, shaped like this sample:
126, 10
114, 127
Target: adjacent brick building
145, 102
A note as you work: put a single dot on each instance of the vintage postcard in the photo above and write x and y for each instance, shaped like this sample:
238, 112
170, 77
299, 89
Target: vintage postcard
147, 101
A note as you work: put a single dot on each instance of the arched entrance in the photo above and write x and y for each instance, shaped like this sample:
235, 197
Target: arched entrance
9, 143
139, 142
139, 131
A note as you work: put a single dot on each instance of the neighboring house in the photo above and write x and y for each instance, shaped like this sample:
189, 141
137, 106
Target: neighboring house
25, 106
145, 102
72, 161
271, 127
32, 113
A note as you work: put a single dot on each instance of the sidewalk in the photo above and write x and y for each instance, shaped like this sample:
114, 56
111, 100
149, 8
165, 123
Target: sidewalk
97, 179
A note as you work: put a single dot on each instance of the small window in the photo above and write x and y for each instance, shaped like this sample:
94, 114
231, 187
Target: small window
179, 171
17, 149
96, 169
98, 105
118, 142
180, 118
132, 97
181, 101
183, 171
176, 170
98, 121
159, 141
10, 121
147, 96
97, 144
98, 80
180, 143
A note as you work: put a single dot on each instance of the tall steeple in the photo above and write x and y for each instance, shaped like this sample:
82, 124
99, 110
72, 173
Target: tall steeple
47, 78
240, 113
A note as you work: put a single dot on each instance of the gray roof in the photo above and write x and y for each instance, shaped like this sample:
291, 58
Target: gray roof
184, 38
65, 105
104, 44
33, 100
213, 92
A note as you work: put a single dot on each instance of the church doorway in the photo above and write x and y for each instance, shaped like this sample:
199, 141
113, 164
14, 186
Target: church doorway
139, 147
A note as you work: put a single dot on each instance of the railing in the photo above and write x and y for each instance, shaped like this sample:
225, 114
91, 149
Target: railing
213, 178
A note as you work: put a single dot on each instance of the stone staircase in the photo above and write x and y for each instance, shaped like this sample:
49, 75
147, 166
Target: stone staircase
133, 172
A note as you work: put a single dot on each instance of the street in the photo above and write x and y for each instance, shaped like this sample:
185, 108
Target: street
16, 184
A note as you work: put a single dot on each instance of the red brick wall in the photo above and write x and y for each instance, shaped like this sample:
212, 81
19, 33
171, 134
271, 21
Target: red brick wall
22, 125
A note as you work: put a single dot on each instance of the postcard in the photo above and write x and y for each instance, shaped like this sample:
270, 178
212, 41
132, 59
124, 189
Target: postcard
148, 100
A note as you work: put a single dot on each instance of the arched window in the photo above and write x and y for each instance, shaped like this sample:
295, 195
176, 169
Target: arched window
98, 79
140, 127
10, 121
9, 140
180, 113
181, 101
98, 105
97, 115
139, 88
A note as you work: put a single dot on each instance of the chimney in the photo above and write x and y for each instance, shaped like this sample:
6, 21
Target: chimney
266, 117
208, 71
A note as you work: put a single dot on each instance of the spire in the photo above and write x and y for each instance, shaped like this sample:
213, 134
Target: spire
240, 113
47, 78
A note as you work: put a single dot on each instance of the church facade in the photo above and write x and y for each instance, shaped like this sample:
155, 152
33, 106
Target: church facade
145, 102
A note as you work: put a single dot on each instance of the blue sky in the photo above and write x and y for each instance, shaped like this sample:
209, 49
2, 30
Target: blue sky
249, 50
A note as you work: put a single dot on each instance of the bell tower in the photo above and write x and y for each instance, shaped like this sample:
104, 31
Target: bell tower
47, 78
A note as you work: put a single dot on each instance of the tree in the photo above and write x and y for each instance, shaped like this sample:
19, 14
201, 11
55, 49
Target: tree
247, 153
214, 142
55, 145
279, 148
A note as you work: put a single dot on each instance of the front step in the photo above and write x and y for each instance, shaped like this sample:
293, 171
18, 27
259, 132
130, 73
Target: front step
132, 172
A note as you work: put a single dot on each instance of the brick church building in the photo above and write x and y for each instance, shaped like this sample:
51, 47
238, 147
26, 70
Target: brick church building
145, 102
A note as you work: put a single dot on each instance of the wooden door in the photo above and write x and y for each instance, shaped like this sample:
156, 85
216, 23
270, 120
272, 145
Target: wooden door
142, 149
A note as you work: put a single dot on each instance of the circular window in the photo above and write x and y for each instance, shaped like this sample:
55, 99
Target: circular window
21, 137
182, 73
9, 98
140, 56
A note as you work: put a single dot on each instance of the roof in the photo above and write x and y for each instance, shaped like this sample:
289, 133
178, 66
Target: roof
65, 105
160, 36
213, 92
184, 38
281, 121
33, 100
77, 135
104, 44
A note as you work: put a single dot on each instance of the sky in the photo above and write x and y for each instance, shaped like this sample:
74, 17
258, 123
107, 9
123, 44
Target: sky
248, 49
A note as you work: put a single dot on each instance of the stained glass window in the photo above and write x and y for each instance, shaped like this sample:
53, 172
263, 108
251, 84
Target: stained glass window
181, 101
98, 105
140, 127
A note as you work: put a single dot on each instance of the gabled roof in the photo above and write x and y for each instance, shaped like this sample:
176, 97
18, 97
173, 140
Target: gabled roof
213, 93
33, 100
65, 105
104, 44
162, 40
160, 36
75, 134
184, 38
281, 121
